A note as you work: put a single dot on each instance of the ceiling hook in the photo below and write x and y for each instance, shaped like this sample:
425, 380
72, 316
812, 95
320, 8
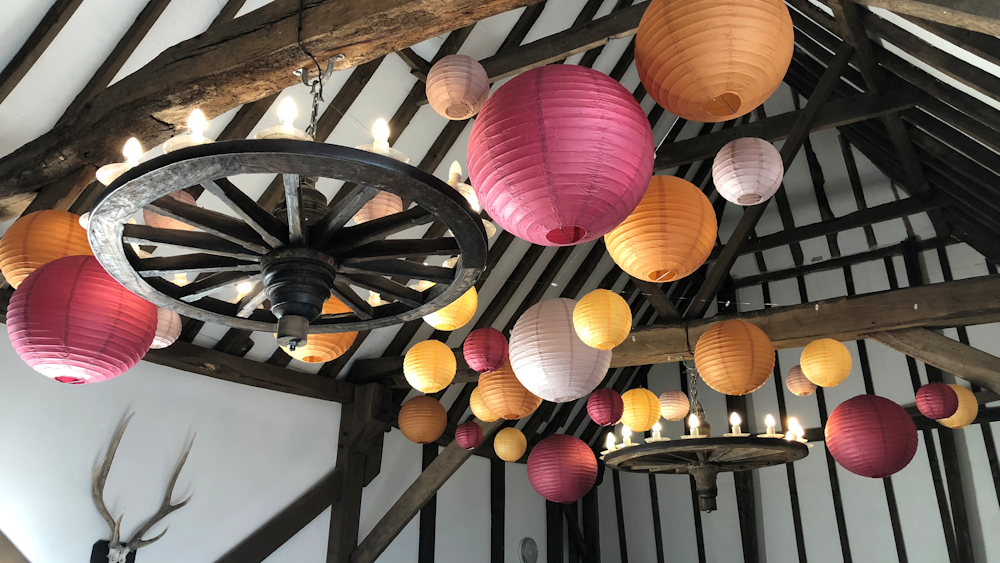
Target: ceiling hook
303, 73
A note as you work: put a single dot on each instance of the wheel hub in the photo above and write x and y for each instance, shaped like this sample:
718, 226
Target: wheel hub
297, 281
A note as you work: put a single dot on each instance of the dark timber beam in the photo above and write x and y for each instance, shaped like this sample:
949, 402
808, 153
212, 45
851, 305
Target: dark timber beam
9, 552
39, 40
977, 15
952, 356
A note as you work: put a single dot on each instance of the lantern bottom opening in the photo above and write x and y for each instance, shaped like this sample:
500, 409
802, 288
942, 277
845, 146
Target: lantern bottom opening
659, 276
749, 199
566, 235
459, 111
724, 105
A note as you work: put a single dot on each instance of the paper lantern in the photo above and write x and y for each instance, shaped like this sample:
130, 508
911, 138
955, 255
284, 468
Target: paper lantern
479, 408
457, 87
798, 383
456, 314
642, 409
39, 238
71, 321
560, 155
748, 171
713, 60
429, 366
161, 222
968, 409
422, 419
382, 205
469, 435
668, 236
168, 328
602, 319
674, 405
504, 395
826, 362
485, 349
549, 358
871, 436
734, 357
322, 348
562, 468
605, 407
937, 401
510, 444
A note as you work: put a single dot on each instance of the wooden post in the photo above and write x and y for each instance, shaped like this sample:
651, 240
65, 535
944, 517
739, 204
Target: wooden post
428, 514
498, 499
592, 524
553, 532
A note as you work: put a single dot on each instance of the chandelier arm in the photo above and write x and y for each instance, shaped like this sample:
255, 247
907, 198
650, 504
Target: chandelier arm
340, 213
270, 229
249, 302
192, 263
187, 240
293, 206
213, 222
400, 269
387, 249
386, 288
211, 283
378, 229
346, 295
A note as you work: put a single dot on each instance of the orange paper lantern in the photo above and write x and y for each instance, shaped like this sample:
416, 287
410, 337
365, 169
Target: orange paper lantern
160, 222
456, 314
713, 60
429, 366
734, 357
457, 87
510, 444
39, 238
322, 348
642, 409
382, 205
422, 419
826, 362
479, 408
602, 319
669, 235
504, 395
968, 409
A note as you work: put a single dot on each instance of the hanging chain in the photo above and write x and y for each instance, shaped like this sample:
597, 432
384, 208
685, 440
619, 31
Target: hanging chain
316, 89
696, 407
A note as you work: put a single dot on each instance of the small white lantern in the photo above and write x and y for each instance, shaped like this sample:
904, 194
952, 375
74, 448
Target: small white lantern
168, 328
748, 171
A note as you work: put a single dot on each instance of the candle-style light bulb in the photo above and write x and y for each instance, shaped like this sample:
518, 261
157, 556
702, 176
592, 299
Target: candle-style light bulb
626, 435
243, 289
287, 112
181, 279
197, 124
657, 427
381, 133
769, 422
792, 423
132, 151
693, 421
455, 174
610, 442
735, 419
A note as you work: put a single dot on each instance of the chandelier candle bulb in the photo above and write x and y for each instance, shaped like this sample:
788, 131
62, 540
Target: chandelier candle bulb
657, 436
694, 423
769, 422
286, 126
132, 151
626, 436
197, 124
609, 445
735, 421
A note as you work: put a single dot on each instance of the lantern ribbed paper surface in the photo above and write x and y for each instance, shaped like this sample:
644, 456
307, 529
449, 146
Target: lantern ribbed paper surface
562, 468
871, 436
713, 60
826, 362
669, 235
39, 238
734, 357
642, 409
469, 435
73, 322
504, 395
748, 171
422, 419
382, 205
549, 358
429, 366
937, 401
322, 348
560, 155
510, 444
968, 408
798, 383
605, 407
168, 328
602, 319
485, 349
457, 87
479, 408
456, 314
674, 405
161, 222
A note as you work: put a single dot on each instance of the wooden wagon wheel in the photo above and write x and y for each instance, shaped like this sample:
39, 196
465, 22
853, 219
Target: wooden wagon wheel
294, 263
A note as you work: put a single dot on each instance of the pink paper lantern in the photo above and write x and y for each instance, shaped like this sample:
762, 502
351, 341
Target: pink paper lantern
469, 435
457, 87
168, 328
748, 171
74, 323
485, 349
871, 436
605, 407
937, 401
562, 468
560, 155
798, 383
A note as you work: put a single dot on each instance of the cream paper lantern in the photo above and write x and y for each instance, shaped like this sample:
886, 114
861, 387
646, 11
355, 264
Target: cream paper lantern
748, 171
549, 358
168, 328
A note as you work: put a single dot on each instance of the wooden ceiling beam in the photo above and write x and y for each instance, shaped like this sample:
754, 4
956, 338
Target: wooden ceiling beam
39, 40
976, 15
961, 360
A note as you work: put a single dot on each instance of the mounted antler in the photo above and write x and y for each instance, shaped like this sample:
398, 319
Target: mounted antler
117, 550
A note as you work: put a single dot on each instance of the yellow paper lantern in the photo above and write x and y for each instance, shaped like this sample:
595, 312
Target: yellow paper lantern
322, 348
669, 235
422, 419
479, 408
39, 238
456, 314
734, 357
503, 394
826, 362
602, 319
968, 409
510, 444
642, 409
429, 366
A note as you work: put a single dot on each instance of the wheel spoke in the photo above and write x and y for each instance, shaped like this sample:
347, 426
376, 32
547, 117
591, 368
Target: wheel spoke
197, 241
249, 303
269, 228
218, 224
377, 229
293, 203
346, 295
211, 283
385, 249
192, 263
340, 213
387, 288
400, 269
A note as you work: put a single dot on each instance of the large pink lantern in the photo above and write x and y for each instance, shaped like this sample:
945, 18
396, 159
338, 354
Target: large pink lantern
560, 155
748, 171
562, 468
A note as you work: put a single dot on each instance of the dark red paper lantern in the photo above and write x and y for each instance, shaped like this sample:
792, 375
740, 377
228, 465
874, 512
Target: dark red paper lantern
560, 155
937, 401
562, 468
485, 349
73, 322
605, 407
469, 435
871, 436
